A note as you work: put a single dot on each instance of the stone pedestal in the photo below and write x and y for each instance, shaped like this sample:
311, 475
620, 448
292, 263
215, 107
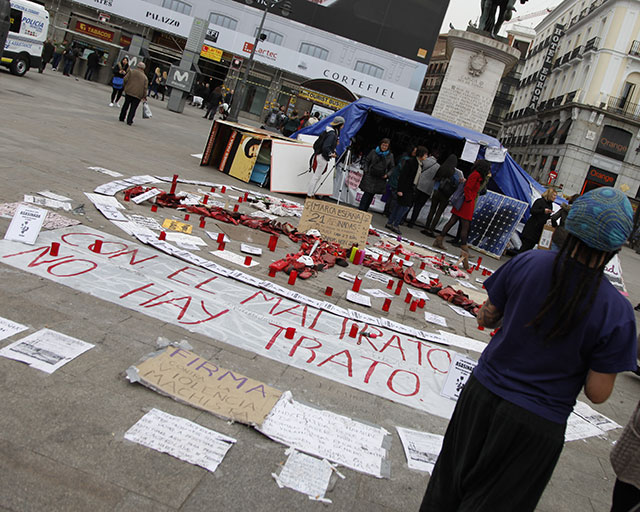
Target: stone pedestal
476, 66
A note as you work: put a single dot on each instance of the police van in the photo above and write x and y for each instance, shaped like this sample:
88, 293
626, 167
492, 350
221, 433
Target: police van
27, 34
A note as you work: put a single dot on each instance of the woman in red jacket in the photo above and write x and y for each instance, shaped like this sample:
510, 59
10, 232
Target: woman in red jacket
479, 173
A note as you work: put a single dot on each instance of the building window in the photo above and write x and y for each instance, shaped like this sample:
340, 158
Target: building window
177, 5
314, 51
272, 37
369, 69
223, 21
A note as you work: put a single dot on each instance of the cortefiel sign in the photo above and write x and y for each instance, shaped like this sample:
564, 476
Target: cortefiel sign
613, 142
558, 31
145, 13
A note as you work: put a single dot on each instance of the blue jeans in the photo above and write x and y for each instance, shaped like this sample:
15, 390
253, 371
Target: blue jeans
398, 214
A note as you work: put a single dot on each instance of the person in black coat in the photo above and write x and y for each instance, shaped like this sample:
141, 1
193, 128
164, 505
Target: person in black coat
405, 189
541, 210
214, 99
377, 166
48, 50
93, 63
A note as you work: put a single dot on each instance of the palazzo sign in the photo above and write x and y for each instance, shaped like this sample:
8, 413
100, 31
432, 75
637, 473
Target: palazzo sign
399, 367
558, 31
145, 13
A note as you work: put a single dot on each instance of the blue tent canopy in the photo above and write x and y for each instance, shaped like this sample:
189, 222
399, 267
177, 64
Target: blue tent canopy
508, 176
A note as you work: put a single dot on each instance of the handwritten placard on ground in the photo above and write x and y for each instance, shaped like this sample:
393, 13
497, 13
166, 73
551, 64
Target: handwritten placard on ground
305, 474
180, 438
343, 224
353, 444
45, 350
421, 448
186, 377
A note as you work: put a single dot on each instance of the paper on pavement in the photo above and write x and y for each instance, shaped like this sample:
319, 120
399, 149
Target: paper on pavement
421, 448
180, 438
45, 350
305, 474
9, 328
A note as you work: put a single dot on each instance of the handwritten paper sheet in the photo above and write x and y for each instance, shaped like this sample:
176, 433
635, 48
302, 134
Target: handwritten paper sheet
233, 258
180, 438
97, 199
305, 474
26, 224
147, 195
353, 444
435, 319
184, 238
147, 222
379, 294
47, 203
363, 317
347, 277
377, 276
45, 350
460, 311
421, 448
418, 294
250, 249
358, 298
9, 328
459, 373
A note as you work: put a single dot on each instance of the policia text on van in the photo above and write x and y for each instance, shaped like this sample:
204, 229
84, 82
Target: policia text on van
28, 26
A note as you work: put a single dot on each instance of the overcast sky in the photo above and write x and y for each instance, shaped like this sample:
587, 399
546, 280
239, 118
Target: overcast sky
461, 11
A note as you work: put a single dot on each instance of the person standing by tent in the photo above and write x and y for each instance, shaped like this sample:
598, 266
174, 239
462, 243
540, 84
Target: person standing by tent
445, 183
377, 166
541, 211
392, 181
480, 173
405, 189
424, 186
564, 328
324, 149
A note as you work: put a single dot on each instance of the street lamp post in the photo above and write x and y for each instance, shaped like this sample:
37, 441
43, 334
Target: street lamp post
239, 96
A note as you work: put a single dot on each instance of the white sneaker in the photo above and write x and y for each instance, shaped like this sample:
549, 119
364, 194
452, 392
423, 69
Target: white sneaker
118, 104
111, 104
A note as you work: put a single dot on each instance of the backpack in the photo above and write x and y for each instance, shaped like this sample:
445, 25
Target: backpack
448, 186
317, 145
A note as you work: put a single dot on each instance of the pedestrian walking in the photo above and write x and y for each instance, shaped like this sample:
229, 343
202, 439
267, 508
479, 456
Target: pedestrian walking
405, 189
564, 328
154, 83
423, 186
162, 86
57, 54
48, 50
93, 63
214, 99
445, 183
324, 149
119, 70
540, 212
135, 90
69, 59
480, 173
377, 166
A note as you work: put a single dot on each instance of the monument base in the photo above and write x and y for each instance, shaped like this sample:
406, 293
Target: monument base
477, 63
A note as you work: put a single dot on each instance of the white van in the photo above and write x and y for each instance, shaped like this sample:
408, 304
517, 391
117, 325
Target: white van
27, 34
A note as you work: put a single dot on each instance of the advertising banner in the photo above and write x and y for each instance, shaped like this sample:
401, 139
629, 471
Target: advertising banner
92, 30
145, 13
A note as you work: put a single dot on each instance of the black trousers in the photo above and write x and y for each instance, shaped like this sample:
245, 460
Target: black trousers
626, 497
365, 201
131, 104
420, 198
439, 203
496, 456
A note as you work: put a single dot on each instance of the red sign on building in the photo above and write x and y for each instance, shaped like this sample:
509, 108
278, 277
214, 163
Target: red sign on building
552, 176
93, 31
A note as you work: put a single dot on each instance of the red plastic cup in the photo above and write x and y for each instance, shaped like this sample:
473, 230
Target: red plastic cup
356, 284
398, 288
220, 237
408, 298
290, 333
406, 258
413, 306
96, 246
162, 236
246, 196
235, 207
292, 277
272, 273
223, 189
240, 200
221, 246
205, 199
422, 265
213, 189
390, 284
187, 216
126, 196
202, 222
385, 306
53, 250
154, 207
273, 241
329, 291
353, 332
247, 261
421, 303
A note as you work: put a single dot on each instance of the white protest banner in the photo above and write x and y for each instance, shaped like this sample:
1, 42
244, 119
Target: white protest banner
180, 438
353, 444
45, 350
26, 224
396, 365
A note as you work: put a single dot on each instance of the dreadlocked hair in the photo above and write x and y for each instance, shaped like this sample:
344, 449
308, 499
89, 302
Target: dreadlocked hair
571, 307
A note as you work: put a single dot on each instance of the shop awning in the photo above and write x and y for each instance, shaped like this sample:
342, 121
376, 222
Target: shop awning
564, 128
551, 131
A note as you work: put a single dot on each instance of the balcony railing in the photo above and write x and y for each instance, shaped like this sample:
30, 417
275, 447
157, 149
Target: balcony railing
576, 52
571, 96
623, 107
592, 44
635, 49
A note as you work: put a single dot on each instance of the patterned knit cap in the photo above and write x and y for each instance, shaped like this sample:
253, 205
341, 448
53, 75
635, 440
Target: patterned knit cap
602, 218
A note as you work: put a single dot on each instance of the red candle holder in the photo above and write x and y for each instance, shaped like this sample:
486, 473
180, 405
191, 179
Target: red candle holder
413, 306
290, 333
385, 306
390, 284
221, 246
154, 207
236, 207
162, 236
205, 199
408, 298
292, 277
223, 189
247, 261
272, 273
353, 332
356, 284
174, 184
53, 250
187, 216
328, 291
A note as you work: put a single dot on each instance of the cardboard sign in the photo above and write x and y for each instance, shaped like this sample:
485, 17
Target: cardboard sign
336, 223
545, 238
188, 378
